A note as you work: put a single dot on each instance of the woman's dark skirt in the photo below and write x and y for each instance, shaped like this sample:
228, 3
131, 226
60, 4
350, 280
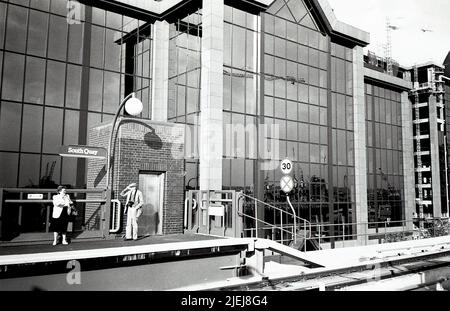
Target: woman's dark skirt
60, 224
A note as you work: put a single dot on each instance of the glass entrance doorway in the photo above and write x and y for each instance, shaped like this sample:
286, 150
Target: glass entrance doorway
152, 187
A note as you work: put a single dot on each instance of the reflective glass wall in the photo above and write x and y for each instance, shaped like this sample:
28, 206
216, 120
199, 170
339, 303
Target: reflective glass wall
184, 87
308, 87
240, 99
385, 194
63, 69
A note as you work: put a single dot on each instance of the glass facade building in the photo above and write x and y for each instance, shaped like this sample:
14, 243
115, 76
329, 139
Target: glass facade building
59, 77
66, 66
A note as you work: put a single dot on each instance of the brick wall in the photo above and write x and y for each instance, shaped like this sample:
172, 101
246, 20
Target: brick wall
143, 146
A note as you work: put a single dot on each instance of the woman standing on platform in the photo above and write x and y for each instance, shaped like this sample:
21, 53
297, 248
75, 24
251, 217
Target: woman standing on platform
60, 217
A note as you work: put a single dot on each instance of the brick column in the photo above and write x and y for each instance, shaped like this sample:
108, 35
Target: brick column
359, 115
211, 96
160, 71
408, 160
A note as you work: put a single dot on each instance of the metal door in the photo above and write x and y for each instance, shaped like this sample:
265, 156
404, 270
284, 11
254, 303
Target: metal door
152, 187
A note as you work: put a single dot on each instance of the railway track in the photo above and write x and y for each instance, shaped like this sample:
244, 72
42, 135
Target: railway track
422, 271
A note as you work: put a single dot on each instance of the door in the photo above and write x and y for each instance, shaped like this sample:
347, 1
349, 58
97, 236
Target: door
152, 187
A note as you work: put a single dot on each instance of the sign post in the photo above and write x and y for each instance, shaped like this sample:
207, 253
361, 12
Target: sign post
287, 184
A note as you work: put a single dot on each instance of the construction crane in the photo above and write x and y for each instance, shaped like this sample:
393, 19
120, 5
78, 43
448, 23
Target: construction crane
388, 47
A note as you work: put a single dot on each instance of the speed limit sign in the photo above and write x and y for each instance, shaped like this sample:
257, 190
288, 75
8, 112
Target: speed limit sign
286, 167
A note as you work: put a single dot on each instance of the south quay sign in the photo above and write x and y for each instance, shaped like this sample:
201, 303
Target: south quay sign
82, 152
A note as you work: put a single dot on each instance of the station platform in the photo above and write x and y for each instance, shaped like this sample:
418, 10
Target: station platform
80, 245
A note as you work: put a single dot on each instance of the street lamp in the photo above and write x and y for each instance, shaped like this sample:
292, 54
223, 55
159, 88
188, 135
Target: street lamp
133, 106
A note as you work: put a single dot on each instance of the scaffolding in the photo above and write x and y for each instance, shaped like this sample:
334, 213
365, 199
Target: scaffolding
418, 147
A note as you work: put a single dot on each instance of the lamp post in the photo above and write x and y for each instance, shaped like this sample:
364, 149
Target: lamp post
133, 106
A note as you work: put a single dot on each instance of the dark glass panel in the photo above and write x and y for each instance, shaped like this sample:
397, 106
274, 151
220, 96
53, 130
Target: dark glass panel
54, 94
10, 114
53, 127
31, 128
2, 23
95, 90
34, 80
73, 88
37, 33
40, 4
16, 29
350, 149
8, 169
342, 150
48, 177
71, 127
57, 38
349, 78
349, 113
97, 46
111, 92
340, 109
29, 170
59, 7
13, 70
76, 36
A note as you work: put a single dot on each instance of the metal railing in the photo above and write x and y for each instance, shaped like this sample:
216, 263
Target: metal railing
293, 231
13, 202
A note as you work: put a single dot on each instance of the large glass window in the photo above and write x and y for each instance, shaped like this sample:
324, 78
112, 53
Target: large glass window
52, 75
385, 193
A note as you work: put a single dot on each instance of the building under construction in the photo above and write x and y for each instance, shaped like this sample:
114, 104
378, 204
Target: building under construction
431, 116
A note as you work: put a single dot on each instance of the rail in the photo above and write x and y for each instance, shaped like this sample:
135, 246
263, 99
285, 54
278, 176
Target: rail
307, 228
24, 198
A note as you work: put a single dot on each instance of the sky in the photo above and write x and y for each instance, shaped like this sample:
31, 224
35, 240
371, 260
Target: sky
410, 45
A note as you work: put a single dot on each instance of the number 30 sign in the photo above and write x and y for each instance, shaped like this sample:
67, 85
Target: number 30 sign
286, 167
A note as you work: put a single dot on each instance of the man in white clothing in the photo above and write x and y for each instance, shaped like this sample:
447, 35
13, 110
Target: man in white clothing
133, 209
